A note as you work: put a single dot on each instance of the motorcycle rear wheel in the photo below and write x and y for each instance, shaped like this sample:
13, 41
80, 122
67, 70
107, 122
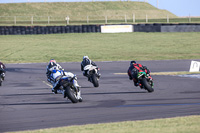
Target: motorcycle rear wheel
71, 94
1, 81
95, 81
146, 85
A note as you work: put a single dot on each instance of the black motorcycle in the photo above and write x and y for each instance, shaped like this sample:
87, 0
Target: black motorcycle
2, 76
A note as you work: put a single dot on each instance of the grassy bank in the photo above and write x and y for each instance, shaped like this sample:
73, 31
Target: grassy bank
77, 10
99, 47
54, 13
170, 125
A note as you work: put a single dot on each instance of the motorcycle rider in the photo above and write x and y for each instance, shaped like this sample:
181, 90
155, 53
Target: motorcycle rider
50, 67
2, 71
86, 61
134, 69
55, 72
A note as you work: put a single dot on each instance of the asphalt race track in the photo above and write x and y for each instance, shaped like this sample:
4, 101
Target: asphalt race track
26, 101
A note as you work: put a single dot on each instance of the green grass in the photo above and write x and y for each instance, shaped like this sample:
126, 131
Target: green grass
166, 73
81, 9
174, 73
78, 12
188, 124
99, 47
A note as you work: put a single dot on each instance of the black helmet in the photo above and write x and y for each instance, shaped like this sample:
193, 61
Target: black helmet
132, 62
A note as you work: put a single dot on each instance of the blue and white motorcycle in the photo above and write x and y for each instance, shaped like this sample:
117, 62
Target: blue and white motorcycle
66, 83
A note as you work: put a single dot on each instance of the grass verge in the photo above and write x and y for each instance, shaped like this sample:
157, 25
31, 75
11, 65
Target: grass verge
99, 47
174, 73
188, 124
166, 73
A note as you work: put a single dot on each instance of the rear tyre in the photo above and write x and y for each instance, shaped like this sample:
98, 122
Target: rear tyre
95, 81
71, 94
147, 86
1, 81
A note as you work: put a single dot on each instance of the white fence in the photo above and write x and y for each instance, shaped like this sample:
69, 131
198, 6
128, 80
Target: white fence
118, 19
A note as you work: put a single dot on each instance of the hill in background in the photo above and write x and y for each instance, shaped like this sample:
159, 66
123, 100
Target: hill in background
78, 10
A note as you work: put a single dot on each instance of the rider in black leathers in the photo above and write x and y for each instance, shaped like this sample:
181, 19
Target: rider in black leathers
86, 61
133, 70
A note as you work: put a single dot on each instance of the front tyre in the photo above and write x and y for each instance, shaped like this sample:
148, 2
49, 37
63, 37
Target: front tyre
94, 80
71, 94
146, 85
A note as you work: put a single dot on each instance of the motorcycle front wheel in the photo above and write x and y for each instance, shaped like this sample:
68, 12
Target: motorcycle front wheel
146, 85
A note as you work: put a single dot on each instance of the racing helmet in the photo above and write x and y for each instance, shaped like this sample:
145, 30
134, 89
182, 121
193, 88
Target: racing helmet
132, 62
85, 57
52, 62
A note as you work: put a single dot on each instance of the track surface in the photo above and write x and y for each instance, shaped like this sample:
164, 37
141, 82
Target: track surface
27, 103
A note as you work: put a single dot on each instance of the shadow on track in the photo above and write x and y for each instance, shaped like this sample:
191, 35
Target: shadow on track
49, 103
108, 93
33, 94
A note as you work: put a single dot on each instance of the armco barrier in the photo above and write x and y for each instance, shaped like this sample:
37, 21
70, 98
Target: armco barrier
187, 27
180, 28
147, 28
29, 30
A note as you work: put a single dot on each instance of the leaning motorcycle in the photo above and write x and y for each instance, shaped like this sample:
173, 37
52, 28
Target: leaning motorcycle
1, 80
2, 75
68, 86
93, 74
145, 81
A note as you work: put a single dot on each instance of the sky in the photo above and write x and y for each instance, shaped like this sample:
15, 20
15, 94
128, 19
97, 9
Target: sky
181, 8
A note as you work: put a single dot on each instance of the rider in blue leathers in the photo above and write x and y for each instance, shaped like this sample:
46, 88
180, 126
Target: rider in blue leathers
52, 66
55, 72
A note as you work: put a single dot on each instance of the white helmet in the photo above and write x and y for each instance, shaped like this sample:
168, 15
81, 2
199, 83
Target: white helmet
85, 57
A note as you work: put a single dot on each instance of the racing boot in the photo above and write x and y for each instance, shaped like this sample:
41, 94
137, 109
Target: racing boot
75, 83
54, 89
79, 96
135, 82
98, 74
64, 94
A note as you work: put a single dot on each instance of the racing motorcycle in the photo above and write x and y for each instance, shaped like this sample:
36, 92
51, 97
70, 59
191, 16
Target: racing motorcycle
145, 81
66, 83
2, 75
93, 74
1, 80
